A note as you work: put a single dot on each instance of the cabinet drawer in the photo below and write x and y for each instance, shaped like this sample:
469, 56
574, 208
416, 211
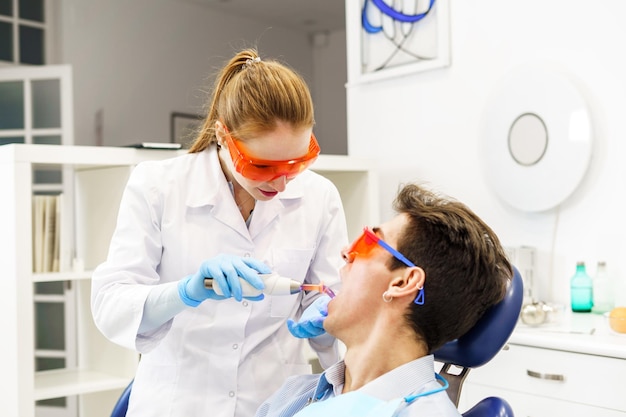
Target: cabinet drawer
526, 405
572, 377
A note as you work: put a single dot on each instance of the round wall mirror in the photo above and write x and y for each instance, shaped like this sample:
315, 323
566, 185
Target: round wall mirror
537, 140
528, 139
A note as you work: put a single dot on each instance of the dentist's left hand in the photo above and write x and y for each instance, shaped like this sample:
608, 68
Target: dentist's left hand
311, 323
226, 270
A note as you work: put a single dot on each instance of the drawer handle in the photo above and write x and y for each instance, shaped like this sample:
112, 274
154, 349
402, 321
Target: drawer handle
551, 377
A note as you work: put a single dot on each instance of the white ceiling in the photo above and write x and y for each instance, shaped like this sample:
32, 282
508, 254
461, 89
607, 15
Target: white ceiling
303, 15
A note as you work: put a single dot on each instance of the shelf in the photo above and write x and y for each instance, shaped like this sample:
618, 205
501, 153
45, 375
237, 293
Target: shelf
87, 156
49, 298
47, 188
62, 276
573, 334
80, 156
62, 382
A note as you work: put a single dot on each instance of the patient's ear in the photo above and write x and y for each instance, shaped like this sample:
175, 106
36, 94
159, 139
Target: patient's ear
409, 283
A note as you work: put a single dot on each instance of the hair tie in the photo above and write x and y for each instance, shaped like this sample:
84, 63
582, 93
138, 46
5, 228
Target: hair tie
251, 61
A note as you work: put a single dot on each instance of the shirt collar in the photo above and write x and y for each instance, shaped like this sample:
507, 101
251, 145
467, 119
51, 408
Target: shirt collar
331, 379
402, 380
396, 383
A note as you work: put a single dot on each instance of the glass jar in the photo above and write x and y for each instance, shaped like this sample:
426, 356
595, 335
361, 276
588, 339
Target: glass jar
603, 293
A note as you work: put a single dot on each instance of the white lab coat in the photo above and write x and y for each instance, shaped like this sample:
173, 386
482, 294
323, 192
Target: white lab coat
222, 358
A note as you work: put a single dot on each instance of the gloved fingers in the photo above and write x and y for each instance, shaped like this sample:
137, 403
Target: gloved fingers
313, 327
207, 292
311, 323
191, 290
303, 330
321, 304
317, 322
297, 330
247, 270
227, 271
291, 325
215, 271
232, 278
257, 265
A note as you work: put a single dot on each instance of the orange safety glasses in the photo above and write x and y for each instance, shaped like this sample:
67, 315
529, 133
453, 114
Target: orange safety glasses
268, 170
362, 247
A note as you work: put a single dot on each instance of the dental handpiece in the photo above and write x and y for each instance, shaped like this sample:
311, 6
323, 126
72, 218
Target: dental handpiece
274, 285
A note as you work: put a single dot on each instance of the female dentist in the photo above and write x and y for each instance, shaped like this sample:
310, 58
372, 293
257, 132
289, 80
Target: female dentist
239, 204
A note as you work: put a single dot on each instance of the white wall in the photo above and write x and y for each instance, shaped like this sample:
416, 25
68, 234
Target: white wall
139, 60
427, 127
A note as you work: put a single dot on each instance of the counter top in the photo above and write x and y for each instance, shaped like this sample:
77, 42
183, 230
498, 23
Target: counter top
573, 332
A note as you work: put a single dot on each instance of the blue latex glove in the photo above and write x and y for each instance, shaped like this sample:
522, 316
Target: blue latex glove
225, 271
311, 324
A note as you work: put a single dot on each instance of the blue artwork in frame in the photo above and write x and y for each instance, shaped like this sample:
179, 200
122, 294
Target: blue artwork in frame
403, 36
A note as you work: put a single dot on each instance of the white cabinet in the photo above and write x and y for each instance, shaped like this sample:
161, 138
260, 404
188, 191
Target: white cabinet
556, 371
535, 405
103, 369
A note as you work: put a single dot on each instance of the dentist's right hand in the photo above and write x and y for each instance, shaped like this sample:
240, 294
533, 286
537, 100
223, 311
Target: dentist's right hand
225, 271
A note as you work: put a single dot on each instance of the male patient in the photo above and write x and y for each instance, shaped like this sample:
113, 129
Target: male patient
408, 286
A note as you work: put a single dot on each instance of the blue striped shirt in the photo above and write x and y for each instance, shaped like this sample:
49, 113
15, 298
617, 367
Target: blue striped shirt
410, 378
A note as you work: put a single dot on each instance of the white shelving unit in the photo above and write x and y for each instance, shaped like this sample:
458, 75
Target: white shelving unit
100, 173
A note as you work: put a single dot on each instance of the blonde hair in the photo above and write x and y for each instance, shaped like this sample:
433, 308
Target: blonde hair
251, 95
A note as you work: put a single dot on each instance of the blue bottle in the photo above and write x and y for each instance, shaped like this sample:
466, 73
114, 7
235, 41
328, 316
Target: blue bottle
581, 290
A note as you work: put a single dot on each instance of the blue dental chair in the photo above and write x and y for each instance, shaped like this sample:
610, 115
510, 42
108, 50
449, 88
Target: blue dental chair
473, 349
119, 410
479, 346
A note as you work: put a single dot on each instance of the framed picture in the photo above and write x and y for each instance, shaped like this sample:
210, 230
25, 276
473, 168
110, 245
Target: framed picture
399, 38
184, 127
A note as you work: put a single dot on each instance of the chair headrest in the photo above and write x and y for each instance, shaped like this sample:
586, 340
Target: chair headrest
483, 341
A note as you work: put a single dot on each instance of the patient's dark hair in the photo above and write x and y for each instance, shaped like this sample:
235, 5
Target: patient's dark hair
466, 268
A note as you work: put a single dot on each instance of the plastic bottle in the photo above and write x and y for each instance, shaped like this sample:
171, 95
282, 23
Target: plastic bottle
603, 294
581, 290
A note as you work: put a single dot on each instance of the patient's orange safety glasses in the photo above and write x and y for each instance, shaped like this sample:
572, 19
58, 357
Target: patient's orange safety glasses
364, 244
267, 170
362, 247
